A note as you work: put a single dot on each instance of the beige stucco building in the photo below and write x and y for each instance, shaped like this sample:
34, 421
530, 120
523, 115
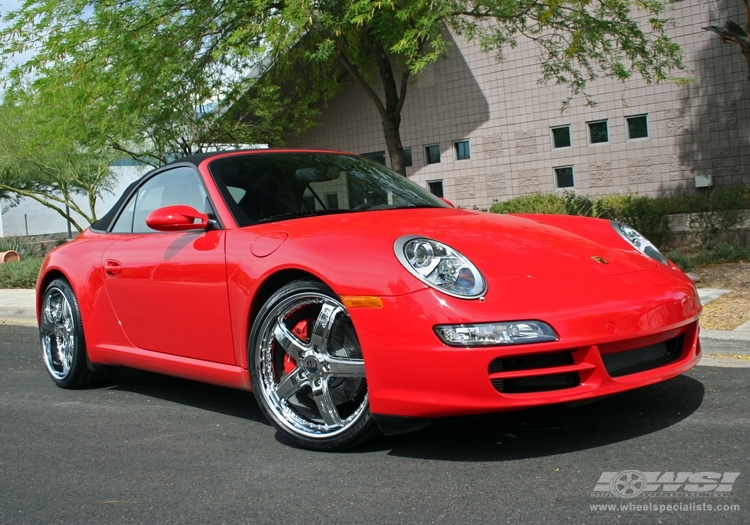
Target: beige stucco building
500, 134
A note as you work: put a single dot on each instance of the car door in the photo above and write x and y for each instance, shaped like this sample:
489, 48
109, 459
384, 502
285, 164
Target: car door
169, 289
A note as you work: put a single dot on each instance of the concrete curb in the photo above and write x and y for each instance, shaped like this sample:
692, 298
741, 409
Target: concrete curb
725, 335
18, 315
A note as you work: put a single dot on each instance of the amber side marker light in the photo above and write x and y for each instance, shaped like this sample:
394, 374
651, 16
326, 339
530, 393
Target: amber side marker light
361, 301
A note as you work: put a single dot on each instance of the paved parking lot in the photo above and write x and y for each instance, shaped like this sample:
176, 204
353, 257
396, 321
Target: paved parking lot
154, 449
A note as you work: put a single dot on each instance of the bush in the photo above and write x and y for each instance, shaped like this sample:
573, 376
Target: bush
536, 203
682, 261
20, 274
649, 216
719, 211
721, 253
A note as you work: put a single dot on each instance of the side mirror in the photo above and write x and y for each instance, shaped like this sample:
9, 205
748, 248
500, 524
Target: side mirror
449, 203
177, 219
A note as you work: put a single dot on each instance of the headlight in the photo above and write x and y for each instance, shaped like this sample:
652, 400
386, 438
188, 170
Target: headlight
490, 334
640, 243
440, 267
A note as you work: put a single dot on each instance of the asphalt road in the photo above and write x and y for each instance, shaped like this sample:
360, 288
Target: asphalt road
153, 449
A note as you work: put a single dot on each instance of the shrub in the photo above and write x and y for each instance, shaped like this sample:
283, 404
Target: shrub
536, 203
719, 211
578, 205
649, 216
20, 274
682, 261
723, 252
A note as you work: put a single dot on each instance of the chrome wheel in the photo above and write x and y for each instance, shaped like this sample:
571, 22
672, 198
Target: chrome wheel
58, 333
308, 370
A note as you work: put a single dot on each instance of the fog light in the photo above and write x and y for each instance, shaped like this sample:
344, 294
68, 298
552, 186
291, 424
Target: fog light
489, 334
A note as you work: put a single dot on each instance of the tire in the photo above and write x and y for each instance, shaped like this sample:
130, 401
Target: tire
63, 342
307, 369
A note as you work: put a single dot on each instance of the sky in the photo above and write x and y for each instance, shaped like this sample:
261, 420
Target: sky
5, 7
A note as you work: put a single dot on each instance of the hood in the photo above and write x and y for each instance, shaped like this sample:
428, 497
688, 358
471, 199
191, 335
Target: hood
496, 244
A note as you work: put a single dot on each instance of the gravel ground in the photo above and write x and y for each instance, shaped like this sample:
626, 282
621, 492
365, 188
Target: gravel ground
732, 309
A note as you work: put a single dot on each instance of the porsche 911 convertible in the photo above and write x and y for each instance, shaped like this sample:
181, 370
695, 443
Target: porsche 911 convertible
351, 301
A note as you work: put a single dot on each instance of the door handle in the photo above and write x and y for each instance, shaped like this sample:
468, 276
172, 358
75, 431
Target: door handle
112, 268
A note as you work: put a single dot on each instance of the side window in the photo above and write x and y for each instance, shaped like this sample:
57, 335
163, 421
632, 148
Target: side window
124, 223
176, 186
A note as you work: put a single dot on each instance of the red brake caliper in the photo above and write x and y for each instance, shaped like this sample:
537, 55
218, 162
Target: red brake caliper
300, 330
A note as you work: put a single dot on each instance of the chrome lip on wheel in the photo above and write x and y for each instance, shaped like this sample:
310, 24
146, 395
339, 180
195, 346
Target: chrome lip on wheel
313, 383
57, 333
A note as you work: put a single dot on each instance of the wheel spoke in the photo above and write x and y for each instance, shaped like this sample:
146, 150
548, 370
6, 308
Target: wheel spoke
322, 328
288, 341
339, 367
290, 384
327, 409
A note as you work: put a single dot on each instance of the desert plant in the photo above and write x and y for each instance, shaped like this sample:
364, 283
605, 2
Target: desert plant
25, 250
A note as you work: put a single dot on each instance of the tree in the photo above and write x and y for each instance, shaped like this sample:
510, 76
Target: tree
733, 34
52, 170
264, 62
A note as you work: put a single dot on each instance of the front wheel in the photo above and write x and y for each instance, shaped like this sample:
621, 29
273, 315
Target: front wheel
307, 369
63, 343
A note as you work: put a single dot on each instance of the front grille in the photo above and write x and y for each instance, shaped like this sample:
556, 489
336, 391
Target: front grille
524, 385
529, 361
534, 382
645, 358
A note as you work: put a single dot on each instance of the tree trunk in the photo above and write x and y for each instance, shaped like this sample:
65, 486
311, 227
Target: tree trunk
395, 148
394, 101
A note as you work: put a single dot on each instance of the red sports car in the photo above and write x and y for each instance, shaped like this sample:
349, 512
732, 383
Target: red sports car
352, 301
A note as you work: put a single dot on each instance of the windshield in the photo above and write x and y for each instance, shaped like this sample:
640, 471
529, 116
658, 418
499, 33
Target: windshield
264, 187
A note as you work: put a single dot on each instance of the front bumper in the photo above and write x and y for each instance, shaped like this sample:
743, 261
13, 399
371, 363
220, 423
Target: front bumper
616, 333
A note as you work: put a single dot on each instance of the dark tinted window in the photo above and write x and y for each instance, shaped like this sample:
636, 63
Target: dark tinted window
564, 177
436, 188
561, 137
462, 150
377, 156
432, 154
638, 127
598, 132
270, 186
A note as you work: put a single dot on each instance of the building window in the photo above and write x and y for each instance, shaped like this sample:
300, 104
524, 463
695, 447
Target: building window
463, 152
637, 127
377, 156
432, 154
332, 201
561, 137
564, 177
407, 158
309, 201
598, 132
436, 188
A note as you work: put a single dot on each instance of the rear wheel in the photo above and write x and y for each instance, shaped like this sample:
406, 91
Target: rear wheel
63, 343
307, 369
